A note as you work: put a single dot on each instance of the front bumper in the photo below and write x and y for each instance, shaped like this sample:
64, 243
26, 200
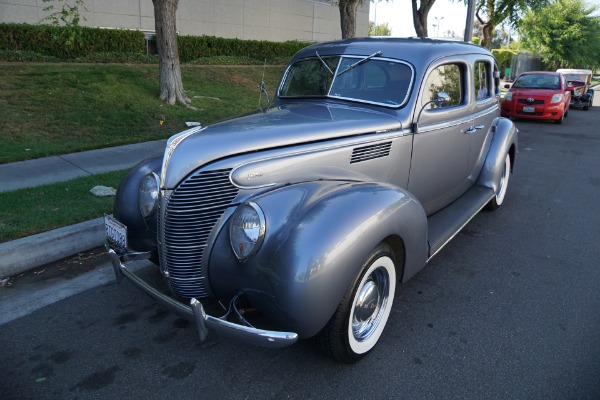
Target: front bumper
552, 111
580, 102
195, 311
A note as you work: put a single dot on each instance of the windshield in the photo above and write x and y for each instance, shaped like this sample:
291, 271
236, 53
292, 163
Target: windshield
576, 77
538, 82
365, 79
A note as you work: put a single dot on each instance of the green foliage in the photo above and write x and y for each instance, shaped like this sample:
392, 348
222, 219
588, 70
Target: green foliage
197, 47
565, 34
25, 56
58, 41
379, 30
68, 15
504, 56
236, 60
116, 45
118, 57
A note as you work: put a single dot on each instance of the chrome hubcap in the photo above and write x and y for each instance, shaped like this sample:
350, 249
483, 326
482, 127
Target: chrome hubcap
371, 302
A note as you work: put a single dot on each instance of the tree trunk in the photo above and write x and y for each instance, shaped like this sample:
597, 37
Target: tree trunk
348, 10
488, 35
420, 16
171, 86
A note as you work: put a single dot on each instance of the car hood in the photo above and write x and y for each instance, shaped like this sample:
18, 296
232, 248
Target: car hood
281, 126
535, 93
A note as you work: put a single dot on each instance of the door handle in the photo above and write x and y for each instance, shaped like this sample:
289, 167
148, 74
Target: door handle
473, 129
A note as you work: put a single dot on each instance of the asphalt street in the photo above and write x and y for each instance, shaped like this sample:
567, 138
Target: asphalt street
510, 309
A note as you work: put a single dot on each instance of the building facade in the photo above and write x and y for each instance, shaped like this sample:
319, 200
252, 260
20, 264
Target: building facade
273, 20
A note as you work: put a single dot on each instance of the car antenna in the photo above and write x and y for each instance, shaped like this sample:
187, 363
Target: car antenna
263, 89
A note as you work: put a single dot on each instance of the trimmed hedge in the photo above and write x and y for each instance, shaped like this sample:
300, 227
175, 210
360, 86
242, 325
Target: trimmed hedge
80, 42
69, 42
197, 47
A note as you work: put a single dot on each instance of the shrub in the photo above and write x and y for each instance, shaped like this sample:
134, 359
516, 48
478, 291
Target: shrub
198, 47
69, 42
119, 45
25, 56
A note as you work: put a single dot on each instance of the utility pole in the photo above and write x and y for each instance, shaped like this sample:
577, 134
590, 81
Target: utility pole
469, 24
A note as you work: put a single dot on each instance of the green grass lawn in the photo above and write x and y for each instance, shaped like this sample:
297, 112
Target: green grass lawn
52, 109
26, 212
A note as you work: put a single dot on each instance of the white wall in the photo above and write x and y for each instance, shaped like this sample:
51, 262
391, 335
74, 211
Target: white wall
274, 20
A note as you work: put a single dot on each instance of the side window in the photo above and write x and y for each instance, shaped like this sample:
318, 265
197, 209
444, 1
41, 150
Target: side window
443, 87
482, 73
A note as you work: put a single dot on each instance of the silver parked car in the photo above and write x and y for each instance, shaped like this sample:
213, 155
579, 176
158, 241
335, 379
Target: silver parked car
304, 219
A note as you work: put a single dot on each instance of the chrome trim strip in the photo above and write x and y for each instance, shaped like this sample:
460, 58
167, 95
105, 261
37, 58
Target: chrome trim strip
456, 122
380, 137
203, 322
342, 56
172, 144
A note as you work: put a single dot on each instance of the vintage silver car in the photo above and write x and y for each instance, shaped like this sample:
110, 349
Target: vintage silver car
304, 218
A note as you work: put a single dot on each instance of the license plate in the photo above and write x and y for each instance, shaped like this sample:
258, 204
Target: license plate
529, 109
115, 231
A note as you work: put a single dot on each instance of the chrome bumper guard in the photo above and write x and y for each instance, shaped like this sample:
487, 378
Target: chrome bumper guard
195, 311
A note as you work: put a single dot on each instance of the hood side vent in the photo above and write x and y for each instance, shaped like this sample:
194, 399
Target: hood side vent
371, 152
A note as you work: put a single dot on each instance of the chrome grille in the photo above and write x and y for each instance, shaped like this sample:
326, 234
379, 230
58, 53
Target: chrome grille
370, 152
191, 212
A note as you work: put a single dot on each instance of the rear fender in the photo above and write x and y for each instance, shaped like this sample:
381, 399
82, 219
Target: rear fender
318, 235
504, 141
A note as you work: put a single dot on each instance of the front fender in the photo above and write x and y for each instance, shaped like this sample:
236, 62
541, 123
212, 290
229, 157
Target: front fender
141, 232
504, 141
317, 237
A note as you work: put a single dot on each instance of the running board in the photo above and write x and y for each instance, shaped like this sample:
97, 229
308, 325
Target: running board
446, 223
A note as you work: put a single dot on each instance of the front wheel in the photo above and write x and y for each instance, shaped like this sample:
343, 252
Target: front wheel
498, 198
561, 119
357, 324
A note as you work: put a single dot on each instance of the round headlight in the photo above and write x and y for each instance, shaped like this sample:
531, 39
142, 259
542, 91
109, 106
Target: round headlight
148, 201
246, 230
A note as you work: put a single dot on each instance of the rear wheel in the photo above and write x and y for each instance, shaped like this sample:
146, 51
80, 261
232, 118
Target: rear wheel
357, 324
498, 198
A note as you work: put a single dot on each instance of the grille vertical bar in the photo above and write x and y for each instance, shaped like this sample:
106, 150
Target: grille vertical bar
191, 212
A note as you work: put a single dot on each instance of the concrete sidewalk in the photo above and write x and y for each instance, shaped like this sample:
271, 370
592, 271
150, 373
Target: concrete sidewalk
23, 254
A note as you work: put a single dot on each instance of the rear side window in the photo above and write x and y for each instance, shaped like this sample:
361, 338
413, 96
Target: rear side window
443, 87
482, 72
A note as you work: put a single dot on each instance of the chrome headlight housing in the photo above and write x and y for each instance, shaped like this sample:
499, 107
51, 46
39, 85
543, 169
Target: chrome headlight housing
148, 199
247, 230
508, 96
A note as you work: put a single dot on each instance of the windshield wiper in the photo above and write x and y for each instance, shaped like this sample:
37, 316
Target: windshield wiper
356, 64
324, 63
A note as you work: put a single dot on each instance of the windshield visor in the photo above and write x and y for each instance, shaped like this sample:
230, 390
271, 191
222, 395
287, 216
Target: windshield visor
376, 81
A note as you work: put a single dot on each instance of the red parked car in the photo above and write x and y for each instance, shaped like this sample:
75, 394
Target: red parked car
538, 95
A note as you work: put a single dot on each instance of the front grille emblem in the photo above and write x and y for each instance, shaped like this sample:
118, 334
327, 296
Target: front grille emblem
530, 99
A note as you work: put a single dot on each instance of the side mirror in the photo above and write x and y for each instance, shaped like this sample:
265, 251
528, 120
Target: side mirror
507, 86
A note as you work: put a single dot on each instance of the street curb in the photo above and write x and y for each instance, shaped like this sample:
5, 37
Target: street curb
20, 255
